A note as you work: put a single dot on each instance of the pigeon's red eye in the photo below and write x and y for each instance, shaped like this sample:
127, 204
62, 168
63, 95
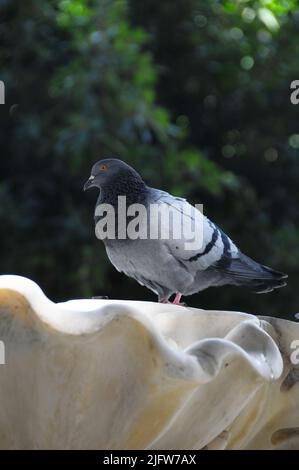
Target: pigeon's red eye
103, 167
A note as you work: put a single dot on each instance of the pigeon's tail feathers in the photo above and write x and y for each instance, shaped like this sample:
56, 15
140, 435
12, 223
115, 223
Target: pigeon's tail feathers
245, 272
268, 285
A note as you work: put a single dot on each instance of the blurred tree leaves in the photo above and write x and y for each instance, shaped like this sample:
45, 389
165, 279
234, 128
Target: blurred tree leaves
85, 88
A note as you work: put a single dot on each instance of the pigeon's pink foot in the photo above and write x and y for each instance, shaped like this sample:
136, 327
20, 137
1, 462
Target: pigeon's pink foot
177, 300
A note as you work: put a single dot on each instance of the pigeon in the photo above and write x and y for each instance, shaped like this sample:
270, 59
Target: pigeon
168, 265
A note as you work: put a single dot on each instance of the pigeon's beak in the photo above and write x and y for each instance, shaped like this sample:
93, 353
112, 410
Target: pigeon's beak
89, 183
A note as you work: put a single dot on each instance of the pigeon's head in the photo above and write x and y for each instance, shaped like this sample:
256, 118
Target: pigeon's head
111, 171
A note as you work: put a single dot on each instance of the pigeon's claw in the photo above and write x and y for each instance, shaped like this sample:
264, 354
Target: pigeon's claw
176, 300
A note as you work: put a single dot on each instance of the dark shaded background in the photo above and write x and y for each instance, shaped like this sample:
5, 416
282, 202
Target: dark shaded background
194, 94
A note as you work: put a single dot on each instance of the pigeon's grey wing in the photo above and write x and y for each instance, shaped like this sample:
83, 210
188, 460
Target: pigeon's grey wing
209, 244
217, 254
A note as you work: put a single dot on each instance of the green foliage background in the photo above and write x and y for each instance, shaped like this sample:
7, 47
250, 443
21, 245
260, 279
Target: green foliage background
195, 94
